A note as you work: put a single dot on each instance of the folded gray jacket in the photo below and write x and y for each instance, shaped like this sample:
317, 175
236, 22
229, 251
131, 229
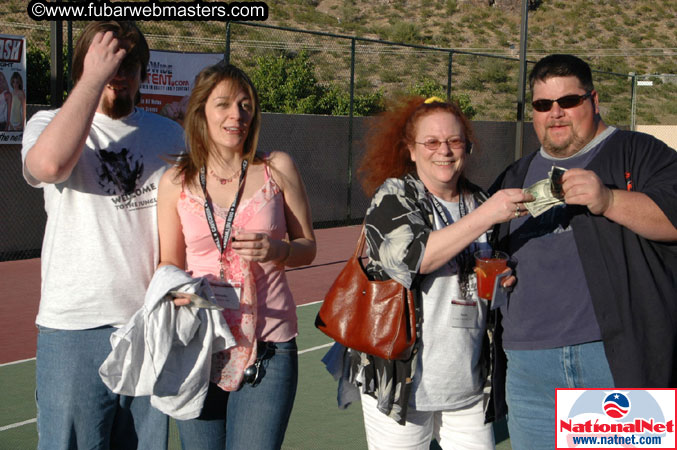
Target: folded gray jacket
165, 352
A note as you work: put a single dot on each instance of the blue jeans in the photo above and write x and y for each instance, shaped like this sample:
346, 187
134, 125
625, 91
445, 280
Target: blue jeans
76, 410
531, 380
254, 417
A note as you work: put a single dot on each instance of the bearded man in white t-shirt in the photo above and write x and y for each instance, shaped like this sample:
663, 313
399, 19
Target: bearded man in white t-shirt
98, 160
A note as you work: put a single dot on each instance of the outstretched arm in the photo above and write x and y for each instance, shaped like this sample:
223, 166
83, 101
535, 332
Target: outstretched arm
448, 242
58, 149
634, 210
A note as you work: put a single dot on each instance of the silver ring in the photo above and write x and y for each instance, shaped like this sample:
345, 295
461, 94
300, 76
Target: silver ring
517, 213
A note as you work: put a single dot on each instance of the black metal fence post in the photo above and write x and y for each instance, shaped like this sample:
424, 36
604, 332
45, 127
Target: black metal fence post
519, 132
350, 129
633, 101
226, 55
56, 64
69, 46
451, 57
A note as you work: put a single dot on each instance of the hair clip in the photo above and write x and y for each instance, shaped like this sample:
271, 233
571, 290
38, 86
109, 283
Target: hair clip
433, 100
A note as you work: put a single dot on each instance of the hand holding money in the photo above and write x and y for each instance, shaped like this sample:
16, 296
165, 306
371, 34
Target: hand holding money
584, 187
547, 192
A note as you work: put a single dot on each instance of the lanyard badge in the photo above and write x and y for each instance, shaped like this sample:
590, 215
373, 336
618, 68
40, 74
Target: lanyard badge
222, 243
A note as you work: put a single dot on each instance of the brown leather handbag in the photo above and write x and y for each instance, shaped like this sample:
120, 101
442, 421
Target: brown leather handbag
374, 317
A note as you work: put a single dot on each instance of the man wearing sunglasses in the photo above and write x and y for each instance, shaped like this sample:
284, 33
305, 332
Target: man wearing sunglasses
595, 301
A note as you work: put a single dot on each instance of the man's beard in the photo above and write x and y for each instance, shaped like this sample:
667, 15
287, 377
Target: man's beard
119, 107
569, 147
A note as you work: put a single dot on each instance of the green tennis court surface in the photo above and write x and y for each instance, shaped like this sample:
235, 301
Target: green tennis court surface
316, 422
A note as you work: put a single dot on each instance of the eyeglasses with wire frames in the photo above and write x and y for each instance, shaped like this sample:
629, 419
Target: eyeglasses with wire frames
453, 143
566, 102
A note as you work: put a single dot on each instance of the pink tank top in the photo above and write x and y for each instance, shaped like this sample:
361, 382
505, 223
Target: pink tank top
276, 313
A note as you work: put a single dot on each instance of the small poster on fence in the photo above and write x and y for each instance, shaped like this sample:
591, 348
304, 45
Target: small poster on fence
171, 76
12, 88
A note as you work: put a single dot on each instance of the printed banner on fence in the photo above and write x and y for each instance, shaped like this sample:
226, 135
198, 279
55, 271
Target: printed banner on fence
12, 88
621, 418
171, 76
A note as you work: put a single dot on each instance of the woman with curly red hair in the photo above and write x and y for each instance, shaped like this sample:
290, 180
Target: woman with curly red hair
424, 223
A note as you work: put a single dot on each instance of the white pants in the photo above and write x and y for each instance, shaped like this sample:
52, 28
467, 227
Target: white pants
459, 429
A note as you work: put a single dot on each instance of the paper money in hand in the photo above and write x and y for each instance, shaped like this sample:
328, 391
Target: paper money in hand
196, 300
555, 176
544, 198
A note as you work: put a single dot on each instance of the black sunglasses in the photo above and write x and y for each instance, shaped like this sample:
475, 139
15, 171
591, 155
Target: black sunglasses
566, 102
251, 373
254, 373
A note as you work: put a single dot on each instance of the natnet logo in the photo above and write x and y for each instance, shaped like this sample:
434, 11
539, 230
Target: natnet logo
624, 418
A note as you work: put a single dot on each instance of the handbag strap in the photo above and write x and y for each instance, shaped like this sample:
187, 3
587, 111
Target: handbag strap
360, 242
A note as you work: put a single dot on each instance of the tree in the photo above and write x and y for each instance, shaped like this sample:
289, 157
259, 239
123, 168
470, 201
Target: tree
287, 84
37, 76
38, 81
336, 102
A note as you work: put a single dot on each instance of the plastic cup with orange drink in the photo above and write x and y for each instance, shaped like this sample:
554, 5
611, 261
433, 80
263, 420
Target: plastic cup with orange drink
488, 264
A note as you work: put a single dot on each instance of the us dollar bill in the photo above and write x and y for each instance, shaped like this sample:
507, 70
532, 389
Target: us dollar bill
555, 176
543, 197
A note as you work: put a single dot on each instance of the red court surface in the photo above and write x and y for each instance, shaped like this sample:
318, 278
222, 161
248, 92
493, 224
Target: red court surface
20, 281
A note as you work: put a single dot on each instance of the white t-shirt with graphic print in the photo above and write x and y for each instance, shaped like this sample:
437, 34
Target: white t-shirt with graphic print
101, 244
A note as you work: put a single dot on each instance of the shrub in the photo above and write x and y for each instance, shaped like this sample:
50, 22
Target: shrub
287, 84
391, 76
404, 32
38, 78
451, 7
647, 118
671, 108
497, 71
618, 115
472, 84
505, 87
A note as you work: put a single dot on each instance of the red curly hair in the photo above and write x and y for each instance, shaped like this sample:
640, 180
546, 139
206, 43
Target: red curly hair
390, 135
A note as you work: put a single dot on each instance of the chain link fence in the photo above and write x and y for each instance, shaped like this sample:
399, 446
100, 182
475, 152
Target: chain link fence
362, 75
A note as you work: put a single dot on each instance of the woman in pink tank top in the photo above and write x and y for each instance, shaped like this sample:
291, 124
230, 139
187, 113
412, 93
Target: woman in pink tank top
238, 217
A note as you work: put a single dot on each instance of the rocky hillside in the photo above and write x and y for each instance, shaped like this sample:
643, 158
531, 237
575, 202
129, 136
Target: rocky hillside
619, 36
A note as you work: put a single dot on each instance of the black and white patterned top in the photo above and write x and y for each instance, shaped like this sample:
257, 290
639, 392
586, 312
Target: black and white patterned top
397, 226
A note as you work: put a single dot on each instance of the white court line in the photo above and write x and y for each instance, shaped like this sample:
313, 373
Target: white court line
311, 303
26, 422
19, 424
17, 362
319, 347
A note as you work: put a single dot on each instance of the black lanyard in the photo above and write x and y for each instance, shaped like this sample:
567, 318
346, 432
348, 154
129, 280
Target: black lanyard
221, 244
464, 260
443, 214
